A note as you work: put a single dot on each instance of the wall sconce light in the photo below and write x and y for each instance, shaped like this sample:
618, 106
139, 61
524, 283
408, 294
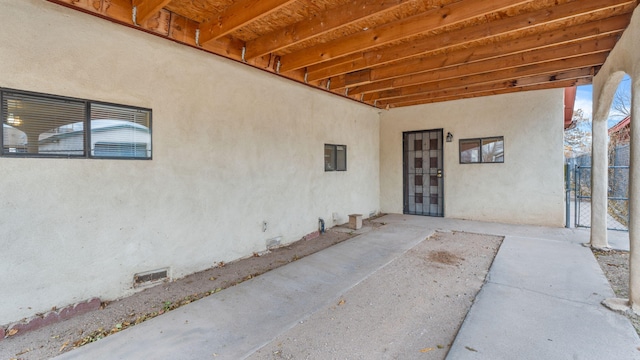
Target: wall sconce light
449, 137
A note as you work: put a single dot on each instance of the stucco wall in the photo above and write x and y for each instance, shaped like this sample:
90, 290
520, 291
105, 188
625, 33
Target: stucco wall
232, 147
527, 188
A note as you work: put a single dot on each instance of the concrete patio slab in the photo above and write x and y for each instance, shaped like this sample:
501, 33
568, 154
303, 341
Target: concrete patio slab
541, 301
570, 271
515, 323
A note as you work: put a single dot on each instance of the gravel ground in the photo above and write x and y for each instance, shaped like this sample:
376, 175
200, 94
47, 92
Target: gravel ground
615, 265
116, 316
410, 309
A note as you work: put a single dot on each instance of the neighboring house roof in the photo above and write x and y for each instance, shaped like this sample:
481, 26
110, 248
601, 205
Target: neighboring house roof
97, 126
569, 102
624, 123
619, 133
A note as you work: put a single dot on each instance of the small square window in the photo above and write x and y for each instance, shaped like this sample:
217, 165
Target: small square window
335, 157
482, 150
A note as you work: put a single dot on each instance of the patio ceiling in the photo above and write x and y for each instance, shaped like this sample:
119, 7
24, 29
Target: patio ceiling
393, 53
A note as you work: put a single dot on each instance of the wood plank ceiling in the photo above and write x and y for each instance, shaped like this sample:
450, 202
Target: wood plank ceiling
393, 53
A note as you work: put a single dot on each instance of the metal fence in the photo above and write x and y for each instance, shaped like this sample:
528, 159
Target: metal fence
617, 197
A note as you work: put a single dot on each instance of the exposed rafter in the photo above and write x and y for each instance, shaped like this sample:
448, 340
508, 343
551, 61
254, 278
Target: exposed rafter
395, 31
540, 56
237, 15
391, 53
575, 74
428, 61
479, 32
323, 23
495, 76
461, 94
144, 9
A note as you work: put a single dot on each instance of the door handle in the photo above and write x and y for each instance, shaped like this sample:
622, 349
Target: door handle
439, 173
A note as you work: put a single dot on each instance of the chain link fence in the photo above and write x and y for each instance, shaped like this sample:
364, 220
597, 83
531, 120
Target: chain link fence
617, 197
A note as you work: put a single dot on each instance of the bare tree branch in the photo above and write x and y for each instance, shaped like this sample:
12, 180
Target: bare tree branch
621, 106
577, 140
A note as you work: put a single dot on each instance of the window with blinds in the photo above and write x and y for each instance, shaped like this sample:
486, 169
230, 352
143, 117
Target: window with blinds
51, 126
118, 131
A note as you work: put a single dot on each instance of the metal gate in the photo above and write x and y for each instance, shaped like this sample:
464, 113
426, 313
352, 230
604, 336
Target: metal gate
422, 161
617, 197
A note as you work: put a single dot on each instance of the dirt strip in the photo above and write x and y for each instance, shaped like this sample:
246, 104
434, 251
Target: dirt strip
410, 309
615, 265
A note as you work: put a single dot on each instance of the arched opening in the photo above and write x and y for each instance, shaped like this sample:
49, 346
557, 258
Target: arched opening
616, 96
619, 131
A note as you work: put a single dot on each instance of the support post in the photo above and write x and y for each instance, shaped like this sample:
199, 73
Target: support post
599, 179
567, 191
634, 199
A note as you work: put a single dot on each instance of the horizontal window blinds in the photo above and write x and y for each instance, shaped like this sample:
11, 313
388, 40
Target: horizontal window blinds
42, 125
52, 126
120, 132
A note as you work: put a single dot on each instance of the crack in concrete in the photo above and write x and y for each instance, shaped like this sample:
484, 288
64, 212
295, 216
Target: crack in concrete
545, 294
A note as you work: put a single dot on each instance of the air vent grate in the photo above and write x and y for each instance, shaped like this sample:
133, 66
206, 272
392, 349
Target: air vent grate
150, 277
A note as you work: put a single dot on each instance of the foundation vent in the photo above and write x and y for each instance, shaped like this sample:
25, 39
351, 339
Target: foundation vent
150, 277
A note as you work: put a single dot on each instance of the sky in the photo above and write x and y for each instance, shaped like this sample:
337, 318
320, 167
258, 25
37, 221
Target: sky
584, 101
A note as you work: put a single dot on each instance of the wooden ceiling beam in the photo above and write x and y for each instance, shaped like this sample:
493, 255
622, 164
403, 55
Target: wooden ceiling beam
524, 52
468, 95
601, 8
144, 9
401, 29
238, 14
544, 55
490, 85
496, 85
358, 77
485, 89
445, 93
427, 62
588, 72
495, 76
321, 24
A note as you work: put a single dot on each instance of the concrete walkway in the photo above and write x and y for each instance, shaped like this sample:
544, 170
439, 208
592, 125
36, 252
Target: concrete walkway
541, 301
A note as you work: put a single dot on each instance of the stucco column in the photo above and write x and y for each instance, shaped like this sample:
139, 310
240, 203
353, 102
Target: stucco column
634, 200
599, 178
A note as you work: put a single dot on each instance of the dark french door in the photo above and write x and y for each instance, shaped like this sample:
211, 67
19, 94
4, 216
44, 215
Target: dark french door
422, 159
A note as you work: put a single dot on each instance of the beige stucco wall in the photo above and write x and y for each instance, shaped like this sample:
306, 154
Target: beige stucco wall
232, 147
527, 188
